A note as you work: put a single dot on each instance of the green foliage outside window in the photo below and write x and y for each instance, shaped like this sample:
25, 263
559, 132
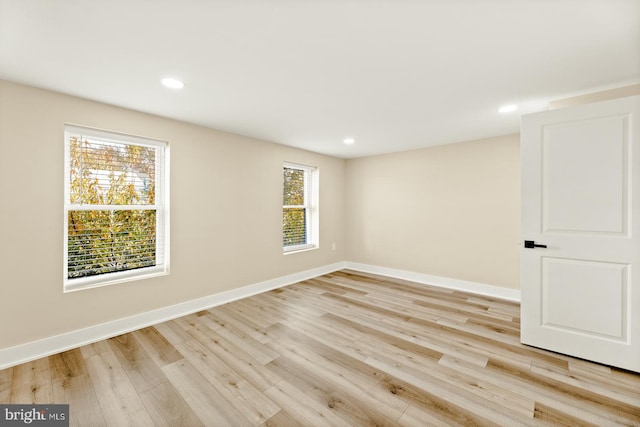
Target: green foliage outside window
294, 216
109, 175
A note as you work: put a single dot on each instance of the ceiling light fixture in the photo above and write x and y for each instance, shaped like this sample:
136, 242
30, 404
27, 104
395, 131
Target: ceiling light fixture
508, 108
348, 141
172, 83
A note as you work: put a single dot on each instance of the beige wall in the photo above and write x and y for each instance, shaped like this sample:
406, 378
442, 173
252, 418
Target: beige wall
225, 214
451, 211
619, 92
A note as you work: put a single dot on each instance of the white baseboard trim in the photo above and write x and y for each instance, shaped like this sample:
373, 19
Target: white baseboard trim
443, 282
47, 346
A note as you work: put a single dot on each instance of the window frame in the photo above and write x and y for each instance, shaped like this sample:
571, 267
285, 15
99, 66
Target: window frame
160, 206
311, 180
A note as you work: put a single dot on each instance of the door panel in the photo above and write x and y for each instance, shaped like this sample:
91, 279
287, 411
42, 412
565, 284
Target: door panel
573, 290
599, 166
581, 198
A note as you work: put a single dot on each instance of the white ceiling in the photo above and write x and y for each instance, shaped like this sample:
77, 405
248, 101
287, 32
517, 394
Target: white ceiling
393, 74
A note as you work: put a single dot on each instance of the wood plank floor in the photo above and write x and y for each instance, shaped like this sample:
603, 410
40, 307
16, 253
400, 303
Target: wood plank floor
344, 349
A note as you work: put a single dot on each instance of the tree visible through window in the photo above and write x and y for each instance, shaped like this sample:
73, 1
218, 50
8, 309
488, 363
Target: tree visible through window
114, 206
298, 214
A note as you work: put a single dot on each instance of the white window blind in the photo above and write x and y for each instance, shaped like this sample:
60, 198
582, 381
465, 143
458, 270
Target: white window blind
115, 207
299, 212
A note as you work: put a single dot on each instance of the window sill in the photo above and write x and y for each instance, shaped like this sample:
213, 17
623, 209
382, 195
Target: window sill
95, 282
301, 249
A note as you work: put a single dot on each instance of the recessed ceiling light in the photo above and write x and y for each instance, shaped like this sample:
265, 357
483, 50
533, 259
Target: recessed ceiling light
508, 108
348, 141
172, 83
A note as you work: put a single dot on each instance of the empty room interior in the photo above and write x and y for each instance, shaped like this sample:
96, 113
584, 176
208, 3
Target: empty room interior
310, 213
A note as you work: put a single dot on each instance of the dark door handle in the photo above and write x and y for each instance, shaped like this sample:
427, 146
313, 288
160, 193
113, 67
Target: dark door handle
530, 244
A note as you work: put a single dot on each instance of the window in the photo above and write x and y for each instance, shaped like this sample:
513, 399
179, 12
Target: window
116, 208
300, 210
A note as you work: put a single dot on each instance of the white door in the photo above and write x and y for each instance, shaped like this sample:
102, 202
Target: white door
581, 199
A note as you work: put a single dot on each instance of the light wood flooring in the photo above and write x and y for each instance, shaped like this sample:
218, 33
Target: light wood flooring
344, 349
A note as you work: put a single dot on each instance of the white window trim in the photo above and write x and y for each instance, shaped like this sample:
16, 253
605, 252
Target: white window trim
311, 197
161, 207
